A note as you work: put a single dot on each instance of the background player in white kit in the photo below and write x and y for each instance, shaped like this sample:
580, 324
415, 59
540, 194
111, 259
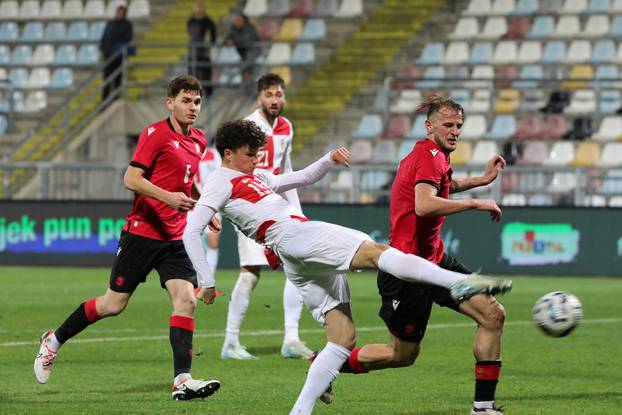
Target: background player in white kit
315, 255
273, 157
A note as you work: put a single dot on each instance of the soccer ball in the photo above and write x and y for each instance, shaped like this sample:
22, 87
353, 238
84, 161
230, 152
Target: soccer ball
557, 313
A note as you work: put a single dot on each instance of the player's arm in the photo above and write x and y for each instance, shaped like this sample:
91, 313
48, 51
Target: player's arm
135, 181
312, 173
291, 195
429, 204
495, 164
198, 219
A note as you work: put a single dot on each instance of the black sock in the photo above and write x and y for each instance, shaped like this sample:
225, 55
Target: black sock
181, 331
486, 379
85, 314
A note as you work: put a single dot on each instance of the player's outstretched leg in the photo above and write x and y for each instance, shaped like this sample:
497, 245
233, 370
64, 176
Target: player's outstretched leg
292, 347
45, 357
478, 284
186, 388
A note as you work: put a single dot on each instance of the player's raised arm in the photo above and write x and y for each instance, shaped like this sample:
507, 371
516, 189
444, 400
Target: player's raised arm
198, 220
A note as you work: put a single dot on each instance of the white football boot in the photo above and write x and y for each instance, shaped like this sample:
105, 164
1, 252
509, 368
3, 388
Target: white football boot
45, 359
295, 350
238, 353
194, 388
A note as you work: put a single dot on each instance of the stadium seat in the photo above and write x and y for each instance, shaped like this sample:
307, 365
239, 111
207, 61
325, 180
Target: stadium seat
432, 77
66, 55
526, 7
361, 151
112, 6
610, 128
615, 201
268, 28
61, 78
494, 28
138, 9
480, 101
609, 101
587, 154
344, 180
514, 199
230, 76
462, 97
562, 182
481, 52
503, 127
508, 101
9, 9
540, 200
596, 26
612, 183
595, 201
568, 26
95, 9
326, 8
29, 10
255, 8
616, 6
580, 76
290, 29
96, 30
349, 9
406, 147
4, 124
554, 127
561, 154
478, 7
606, 76
530, 77
407, 102
303, 54
284, 72
369, 127
518, 27
32, 31
9, 31
530, 51
529, 127
483, 151
597, 6
22, 55
542, 27
432, 53
503, 7
578, 51
615, 29
462, 154
301, 8
398, 127
456, 53
78, 30
55, 31
278, 8
505, 52
466, 28
534, 153
417, 130
385, 151
43, 54
5, 55
603, 51
279, 54
314, 29
573, 6
35, 101
39, 78
474, 127
533, 100
583, 102
554, 52
504, 74
73, 9
87, 55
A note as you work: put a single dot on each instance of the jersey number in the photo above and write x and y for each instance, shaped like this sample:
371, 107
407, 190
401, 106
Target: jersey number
187, 175
257, 186
263, 159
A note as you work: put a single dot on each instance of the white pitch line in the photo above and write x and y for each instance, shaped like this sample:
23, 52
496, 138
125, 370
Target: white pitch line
302, 331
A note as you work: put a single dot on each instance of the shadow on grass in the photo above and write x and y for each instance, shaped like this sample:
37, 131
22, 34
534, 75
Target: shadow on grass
148, 388
563, 396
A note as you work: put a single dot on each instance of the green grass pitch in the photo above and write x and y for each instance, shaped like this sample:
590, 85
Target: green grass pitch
123, 365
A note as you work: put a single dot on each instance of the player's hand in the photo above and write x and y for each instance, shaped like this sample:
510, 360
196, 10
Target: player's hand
215, 225
495, 164
206, 295
490, 206
179, 201
340, 156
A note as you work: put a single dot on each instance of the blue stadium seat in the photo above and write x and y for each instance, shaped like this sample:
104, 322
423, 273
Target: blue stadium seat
418, 130
432, 53
326, 8
543, 26
230, 76
606, 76
554, 52
5, 55
314, 29
369, 127
461, 96
87, 55
66, 55
432, 77
405, 148
18, 77
78, 31
4, 124
22, 55
615, 29
503, 127
374, 180
524, 7
61, 78
609, 101
612, 184
529, 77
227, 55
96, 30
32, 31
481, 52
9, 31
303, 54
603, 51
598, 7
55, 31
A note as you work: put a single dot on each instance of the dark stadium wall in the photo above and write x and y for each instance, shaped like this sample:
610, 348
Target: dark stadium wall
538, 241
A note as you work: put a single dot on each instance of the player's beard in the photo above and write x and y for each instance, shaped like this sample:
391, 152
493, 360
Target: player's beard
268, 113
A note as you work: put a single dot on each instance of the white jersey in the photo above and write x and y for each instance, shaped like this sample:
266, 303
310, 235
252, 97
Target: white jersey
210, 161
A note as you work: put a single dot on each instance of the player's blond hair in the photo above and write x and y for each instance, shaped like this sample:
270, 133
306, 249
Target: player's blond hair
433, 103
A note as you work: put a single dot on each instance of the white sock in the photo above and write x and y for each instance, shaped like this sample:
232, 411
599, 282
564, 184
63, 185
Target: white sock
181, 378
52, 343
484, 404
412, 268
292, 308
211, 255
322, 372
238, 304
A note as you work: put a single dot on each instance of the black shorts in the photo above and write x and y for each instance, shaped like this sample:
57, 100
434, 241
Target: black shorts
406, 306
137, 256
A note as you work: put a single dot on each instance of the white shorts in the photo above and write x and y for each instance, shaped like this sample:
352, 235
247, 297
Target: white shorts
316, 257
251, 253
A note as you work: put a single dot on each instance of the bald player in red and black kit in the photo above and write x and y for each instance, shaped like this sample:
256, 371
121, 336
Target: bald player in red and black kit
161, 175
419, 204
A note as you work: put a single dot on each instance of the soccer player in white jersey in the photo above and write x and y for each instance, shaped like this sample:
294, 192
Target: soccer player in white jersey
209, 162
273, 157
315, 255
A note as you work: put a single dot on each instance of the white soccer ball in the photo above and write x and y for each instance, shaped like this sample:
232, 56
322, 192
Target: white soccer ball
557, 313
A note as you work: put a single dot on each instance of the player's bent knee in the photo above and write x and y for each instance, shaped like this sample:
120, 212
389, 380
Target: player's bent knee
494, 317
404, 360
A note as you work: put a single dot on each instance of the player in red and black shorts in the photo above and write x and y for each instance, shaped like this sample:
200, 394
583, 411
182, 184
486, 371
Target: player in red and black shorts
161, 175
419, 205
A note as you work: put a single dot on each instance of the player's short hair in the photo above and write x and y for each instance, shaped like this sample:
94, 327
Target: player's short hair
237, 134
269, 80
435, 102
186, 83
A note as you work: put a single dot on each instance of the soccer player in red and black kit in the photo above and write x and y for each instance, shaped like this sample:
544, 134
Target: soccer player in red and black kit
161, 174
419, 204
